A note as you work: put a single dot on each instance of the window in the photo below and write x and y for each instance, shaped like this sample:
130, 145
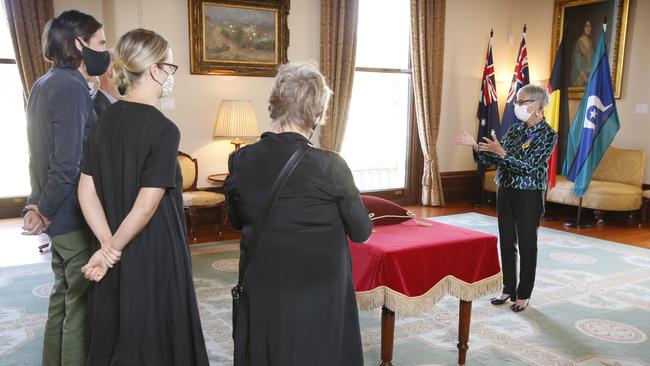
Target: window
378, 135
13, 132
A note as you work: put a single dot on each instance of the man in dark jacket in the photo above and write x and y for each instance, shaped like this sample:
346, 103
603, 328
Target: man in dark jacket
107, 93
60, 116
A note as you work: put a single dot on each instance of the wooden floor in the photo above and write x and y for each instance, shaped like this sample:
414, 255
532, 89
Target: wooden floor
16, 249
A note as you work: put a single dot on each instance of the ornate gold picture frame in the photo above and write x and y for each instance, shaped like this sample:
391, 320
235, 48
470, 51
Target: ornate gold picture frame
238, 37
583, 20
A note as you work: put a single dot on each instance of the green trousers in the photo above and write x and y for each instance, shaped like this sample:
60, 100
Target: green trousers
66, 332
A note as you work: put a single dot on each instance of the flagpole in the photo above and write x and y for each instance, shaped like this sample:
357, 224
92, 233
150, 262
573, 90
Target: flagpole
577, 224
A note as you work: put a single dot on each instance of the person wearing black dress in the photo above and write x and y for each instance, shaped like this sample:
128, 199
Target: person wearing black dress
143, 311
302, 308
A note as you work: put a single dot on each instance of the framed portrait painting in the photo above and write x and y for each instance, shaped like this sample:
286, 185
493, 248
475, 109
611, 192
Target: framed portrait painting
582, 21
238, 37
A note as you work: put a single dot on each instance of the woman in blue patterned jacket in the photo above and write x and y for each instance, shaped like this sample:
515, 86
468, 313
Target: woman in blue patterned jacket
522, 174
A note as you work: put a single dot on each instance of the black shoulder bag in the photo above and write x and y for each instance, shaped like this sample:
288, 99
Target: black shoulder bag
239, 297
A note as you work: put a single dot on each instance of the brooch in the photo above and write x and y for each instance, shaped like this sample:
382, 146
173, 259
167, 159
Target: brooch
529, 141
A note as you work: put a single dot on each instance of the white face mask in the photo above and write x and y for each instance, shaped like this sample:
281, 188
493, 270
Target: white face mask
521, 111
167, 86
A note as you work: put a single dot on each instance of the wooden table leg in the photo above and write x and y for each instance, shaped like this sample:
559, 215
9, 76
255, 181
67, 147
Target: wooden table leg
463, 330
387, 335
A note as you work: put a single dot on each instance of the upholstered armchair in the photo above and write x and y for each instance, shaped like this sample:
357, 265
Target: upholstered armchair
615, 186
195, 200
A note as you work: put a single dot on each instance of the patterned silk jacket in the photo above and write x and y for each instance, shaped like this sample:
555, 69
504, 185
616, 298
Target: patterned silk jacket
525, 165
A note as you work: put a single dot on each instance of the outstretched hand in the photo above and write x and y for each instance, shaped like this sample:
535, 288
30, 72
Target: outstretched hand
463, 138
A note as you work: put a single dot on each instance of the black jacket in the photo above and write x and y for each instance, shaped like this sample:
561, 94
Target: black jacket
302, 307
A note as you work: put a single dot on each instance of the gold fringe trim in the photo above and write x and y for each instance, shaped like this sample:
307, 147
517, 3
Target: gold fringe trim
412, 306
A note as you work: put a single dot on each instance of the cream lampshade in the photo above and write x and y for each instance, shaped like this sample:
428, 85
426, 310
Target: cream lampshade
236, 119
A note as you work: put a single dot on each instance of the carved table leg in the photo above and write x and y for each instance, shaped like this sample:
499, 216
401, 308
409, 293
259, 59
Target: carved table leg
463, 330
387, 335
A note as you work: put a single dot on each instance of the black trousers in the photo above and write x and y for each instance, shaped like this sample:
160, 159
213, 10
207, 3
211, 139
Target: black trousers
519, 212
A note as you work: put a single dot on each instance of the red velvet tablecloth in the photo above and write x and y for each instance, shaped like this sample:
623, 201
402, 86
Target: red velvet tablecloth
408, 267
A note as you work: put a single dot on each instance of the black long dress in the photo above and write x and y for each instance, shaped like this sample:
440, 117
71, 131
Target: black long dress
144, 311
302, 305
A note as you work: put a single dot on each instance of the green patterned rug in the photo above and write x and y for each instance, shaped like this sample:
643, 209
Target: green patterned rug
591, 306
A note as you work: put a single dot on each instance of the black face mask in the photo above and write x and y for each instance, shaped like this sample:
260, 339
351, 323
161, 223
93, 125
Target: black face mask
96, 62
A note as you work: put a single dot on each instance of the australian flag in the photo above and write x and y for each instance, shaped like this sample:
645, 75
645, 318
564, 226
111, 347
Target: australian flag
520, 78
594, 125
488, 108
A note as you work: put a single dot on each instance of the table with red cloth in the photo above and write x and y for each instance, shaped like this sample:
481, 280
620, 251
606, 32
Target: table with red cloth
406, 268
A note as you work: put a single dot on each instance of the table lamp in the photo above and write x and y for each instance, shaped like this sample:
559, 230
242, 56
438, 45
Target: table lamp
236, 119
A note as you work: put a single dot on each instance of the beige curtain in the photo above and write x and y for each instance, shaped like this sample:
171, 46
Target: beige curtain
337, 52
26, 19
427, 51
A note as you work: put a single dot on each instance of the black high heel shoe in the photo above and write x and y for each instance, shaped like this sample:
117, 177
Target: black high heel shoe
519, 308
500, 301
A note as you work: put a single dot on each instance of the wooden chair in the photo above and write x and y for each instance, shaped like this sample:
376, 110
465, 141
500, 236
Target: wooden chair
194, 199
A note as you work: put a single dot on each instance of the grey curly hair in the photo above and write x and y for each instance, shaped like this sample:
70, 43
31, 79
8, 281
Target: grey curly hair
299, 96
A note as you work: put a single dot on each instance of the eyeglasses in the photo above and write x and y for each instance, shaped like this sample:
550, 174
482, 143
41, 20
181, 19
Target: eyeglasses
523, 102
173, 67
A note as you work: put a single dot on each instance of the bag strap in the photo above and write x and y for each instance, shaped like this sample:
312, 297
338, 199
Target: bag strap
280, 182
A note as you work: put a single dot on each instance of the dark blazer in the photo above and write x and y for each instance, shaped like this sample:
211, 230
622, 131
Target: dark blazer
59, 118
302, 306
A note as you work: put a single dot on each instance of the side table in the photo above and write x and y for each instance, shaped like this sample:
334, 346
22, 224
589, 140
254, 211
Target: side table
218, 179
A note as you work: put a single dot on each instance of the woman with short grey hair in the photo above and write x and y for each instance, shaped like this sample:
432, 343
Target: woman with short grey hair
298, 99
522, 175
296, 302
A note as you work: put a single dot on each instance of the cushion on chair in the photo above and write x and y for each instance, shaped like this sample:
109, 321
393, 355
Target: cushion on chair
202, 199
606, 196
646, 194
385, 212
188, 170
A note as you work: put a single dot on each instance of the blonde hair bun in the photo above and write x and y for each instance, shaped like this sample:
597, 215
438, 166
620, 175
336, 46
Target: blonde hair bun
134, 53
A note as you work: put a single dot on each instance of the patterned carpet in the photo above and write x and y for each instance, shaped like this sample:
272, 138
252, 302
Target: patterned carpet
591, 306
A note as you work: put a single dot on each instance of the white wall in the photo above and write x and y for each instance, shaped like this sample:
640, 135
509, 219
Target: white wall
197, 97
93, 7
467, 26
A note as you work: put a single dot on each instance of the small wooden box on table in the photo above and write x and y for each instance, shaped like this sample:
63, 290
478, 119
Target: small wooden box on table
406, 268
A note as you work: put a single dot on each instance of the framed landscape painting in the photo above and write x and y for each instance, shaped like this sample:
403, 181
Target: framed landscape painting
238, 37
583, 20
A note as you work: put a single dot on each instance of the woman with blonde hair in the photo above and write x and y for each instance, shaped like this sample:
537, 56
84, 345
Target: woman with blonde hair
296, 304
143, 310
